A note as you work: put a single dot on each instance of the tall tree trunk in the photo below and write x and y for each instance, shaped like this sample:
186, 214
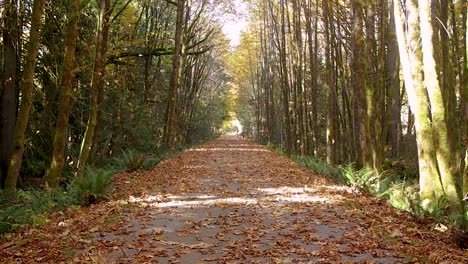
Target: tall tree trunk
359, 83
411, 61
53, 174
393, 84
371, 84
8, 91
171, 113
285, 87
298, 69
311, 28
446, 160
315, 59
26, 97
330, 84
97, 83
464, 93
448, 88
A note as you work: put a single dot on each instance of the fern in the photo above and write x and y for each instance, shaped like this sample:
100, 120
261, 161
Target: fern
93, 184
130, 161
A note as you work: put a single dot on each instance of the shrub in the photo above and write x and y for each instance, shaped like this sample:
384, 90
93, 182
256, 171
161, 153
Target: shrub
130, 161
14, 216
319, 166
151, 162
362, 179
92, 185
29, 207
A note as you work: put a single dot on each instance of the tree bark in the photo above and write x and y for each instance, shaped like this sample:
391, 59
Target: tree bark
464, 94
53, 174
411, 60
330, 135
359, 83
26, 98
445, 158
171, 113
8, 91
393, 84
97, 83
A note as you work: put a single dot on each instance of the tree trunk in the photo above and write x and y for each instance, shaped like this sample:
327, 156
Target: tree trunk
171, 113
26, 97
285, 81
464, 93
445, 158
53, 174
8, 91
411, 61
359, 83
330, 136
97, 83
393, 78
312, 49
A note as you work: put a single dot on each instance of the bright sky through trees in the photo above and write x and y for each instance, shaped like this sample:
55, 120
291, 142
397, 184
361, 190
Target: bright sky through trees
234, 26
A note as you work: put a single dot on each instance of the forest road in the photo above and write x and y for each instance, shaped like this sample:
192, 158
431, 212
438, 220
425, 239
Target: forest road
234, 201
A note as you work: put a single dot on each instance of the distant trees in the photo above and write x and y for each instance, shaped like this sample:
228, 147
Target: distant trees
98, 72
330, 71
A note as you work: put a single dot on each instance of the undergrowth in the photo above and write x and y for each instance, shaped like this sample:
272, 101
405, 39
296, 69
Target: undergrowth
32, 206
130, 160
402, 192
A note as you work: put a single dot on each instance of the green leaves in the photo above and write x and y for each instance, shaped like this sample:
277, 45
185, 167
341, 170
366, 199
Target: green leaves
93, 184
130, 160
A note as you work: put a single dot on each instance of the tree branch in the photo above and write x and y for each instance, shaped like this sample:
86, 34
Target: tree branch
172, 2
114, 59
120, 11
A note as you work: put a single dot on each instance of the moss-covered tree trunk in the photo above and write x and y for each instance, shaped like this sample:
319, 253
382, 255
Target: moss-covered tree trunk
54, 172
445, 158
359, 83
97, 82
27, 86
464, 92
411, 61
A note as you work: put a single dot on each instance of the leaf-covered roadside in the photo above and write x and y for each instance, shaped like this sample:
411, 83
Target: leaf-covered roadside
66, 232
232, 200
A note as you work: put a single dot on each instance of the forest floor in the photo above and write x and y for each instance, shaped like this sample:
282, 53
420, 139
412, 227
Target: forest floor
232, 201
